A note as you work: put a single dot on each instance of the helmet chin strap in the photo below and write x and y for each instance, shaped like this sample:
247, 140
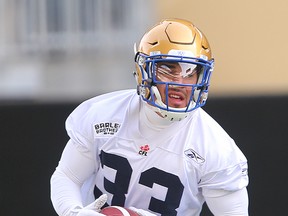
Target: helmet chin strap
169, 115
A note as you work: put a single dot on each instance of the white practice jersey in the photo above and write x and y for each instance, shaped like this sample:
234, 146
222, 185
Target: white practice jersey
167, 170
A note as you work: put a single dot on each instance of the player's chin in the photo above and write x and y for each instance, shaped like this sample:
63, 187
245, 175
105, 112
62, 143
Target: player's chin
177, 103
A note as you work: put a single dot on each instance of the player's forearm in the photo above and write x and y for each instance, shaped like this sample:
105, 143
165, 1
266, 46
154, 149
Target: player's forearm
65, 194
74, 168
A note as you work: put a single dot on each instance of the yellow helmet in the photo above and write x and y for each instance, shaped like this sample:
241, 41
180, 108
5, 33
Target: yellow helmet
174, 40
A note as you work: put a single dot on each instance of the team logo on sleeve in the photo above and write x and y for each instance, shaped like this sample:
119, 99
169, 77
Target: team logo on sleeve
194, 156
107, 128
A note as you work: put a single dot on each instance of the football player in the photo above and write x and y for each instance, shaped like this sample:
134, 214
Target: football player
155, 149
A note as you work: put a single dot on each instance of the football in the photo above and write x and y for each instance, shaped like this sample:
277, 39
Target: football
118, 211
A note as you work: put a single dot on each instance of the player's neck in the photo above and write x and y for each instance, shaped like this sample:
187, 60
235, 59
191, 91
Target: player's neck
154, 118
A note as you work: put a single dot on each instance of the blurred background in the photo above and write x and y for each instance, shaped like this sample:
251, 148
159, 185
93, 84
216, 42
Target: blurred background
56, 53
55, 50
74, 49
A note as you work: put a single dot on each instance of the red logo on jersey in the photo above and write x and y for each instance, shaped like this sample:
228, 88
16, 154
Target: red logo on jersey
144, 150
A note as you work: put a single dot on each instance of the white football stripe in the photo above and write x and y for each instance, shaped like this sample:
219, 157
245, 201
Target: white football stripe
124, 211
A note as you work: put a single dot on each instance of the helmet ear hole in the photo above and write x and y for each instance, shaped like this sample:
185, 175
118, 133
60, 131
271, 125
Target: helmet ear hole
203, 97
136, 76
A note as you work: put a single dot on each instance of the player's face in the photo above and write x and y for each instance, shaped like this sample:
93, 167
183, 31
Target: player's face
182, 73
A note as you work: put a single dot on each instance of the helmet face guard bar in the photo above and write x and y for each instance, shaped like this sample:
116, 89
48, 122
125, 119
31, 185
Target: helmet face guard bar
148, 86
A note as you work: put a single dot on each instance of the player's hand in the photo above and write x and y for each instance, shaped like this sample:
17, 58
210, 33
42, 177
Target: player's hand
94, 208
142, 212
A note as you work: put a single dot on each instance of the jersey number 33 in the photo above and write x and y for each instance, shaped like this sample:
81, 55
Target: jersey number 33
149, 177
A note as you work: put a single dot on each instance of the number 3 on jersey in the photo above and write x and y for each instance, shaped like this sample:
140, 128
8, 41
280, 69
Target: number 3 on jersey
149, 177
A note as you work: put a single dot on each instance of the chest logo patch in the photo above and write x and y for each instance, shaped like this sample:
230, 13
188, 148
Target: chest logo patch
144, 150
107, 128
194, 156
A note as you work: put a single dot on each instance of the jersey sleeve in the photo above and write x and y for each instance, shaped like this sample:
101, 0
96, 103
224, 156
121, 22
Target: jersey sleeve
229, 179
107, 108
225, 166
227, 170
78, 127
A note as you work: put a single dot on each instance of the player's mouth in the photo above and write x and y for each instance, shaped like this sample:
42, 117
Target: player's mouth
176, 99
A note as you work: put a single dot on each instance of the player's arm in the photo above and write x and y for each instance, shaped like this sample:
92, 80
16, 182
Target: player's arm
228, 203
74, 167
